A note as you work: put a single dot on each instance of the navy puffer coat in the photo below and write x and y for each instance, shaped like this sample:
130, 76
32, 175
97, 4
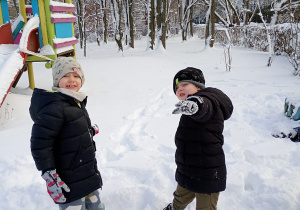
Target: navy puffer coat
199, 155
62, 139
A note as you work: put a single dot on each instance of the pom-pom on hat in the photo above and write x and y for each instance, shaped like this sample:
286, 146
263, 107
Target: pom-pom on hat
189, 74
63, 66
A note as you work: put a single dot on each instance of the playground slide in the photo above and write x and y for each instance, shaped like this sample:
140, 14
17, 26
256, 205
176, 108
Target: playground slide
10, 64
12, 59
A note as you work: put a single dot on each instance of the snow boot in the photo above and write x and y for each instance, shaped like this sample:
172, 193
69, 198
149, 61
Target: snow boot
293, 135
169, 207
296, 136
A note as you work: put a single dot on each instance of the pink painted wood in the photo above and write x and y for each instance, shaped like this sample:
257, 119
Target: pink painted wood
28, 10
64, 44
63, 20
62, 9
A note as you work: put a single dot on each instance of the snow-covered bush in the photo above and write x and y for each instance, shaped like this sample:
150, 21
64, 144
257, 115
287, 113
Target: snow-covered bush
285, 39
253, 36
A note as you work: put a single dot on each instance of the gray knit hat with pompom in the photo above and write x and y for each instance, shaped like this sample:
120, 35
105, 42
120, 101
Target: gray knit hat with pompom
63, 66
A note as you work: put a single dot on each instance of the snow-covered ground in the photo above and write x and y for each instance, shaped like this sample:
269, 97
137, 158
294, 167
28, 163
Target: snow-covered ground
131, 100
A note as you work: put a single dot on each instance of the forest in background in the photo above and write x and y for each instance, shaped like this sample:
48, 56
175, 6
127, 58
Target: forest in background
267, 25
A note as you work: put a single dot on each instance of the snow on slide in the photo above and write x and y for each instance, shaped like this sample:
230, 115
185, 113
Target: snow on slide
11, 62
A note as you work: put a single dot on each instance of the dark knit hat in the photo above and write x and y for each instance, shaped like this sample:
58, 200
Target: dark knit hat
63, 66
189, 74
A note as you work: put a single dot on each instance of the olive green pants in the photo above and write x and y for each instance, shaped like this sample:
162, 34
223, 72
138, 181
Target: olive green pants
182, 197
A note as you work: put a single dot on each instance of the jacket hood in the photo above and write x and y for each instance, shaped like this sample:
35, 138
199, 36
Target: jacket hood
218, 98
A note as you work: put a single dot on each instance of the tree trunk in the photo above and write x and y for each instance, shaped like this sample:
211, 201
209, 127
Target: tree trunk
236, 15
158, 14
16, 7
81, 24
126, 20
151, 22
212, 23
84, 26
161, 23
79, 21
183, 24
191, 21
116, 7
131, 24
268, 35
164, 23
104, 20
246, 18
186, 17
97, 24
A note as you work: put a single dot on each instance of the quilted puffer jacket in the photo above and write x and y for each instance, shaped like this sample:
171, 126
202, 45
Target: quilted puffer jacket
199, 154
62, 139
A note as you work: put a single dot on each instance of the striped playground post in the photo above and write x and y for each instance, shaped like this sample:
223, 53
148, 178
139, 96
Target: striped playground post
4, 12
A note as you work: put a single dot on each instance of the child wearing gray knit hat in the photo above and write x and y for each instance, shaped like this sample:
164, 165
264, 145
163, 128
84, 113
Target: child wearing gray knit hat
64, 65
62, 143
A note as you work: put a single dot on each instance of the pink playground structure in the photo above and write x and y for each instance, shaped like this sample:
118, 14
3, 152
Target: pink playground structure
42, 32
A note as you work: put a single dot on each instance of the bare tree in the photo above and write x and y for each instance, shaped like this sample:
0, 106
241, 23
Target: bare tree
104, 9
151, 24
236, 16
16, 6
268, 35
227, 50
81, 23
162, 11
253, 14
230, 10
185, 15
282, 6
97, 24
210, 25
225, 21
129, 25
116, 10
191, 21
246, 11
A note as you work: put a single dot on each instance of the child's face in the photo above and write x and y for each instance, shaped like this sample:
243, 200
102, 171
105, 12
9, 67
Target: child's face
70, 81
183, 89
